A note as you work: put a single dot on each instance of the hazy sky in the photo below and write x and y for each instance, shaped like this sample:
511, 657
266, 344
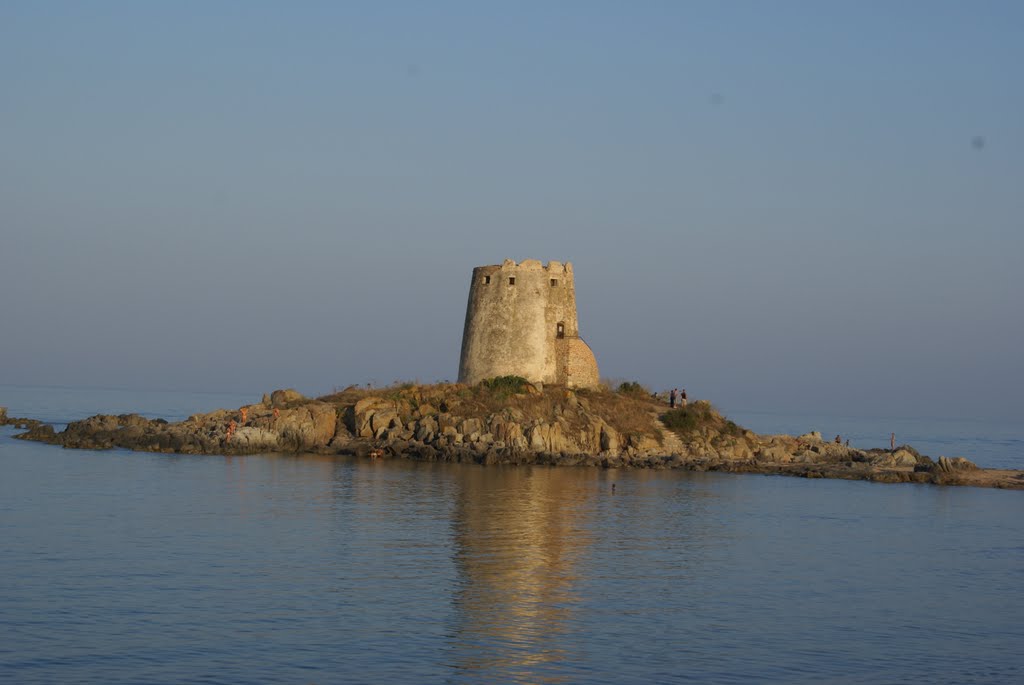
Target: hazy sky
780, 205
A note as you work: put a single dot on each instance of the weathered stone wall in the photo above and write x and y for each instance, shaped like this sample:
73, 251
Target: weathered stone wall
581, 367
514, 317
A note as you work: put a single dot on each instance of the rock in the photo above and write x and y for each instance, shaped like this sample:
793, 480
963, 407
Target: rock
249, 438
383, 420
3, 415
899, 458
813, 436
342, 435
610, 441
308, 427
951, 465
281, 398
774, 454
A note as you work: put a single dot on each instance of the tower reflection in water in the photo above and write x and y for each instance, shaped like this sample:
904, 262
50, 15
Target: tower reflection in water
519, 537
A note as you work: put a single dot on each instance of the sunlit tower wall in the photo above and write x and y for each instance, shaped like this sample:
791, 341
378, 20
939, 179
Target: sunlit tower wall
521, 321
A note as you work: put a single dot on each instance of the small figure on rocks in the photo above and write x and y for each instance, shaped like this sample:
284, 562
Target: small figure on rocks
244, 411
231, 429
277, 413
847, 443
838, 440
672, 399
682, 398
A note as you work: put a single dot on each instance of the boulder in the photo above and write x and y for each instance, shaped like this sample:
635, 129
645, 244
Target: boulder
899, 458
307, 427
610, 441
953, 464
252, 439
3, 415
281, 398
774, 454
363, 413
342, 435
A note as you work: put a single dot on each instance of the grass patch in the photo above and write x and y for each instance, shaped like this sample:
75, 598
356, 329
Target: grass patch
697, 417
509, 385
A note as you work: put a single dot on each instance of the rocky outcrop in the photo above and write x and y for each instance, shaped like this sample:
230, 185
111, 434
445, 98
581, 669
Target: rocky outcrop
552, 427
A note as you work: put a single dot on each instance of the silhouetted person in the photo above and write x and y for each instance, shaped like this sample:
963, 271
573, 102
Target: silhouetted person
672, 399
838, 441
682, 398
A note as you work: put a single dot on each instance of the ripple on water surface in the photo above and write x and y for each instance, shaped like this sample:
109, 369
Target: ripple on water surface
121, 567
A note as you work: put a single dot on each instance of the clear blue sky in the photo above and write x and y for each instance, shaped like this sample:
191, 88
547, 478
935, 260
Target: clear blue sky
780, 205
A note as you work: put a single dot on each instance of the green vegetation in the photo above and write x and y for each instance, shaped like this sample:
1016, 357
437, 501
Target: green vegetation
697, 417
633, 388
507, 385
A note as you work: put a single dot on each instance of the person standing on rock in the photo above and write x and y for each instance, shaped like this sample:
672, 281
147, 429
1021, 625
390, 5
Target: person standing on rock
672, 399
682, 398
244, 411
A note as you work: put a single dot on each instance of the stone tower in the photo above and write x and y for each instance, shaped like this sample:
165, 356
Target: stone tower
521, 321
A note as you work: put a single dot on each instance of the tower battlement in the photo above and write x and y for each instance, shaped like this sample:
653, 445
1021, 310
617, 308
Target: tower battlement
521, 321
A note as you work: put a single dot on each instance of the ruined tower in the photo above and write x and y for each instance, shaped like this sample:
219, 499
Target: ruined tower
521, 321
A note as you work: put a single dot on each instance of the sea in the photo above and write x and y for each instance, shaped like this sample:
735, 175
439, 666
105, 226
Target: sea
121, 567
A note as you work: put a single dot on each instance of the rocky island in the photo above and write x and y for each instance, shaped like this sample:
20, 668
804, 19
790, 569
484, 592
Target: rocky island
508, 420
529, 392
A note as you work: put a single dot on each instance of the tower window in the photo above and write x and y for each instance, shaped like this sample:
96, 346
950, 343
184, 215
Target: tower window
554, 282
487, 279
511, 280
560, 330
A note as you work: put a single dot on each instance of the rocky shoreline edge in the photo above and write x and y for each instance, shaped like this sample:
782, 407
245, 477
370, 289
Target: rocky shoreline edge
514, 424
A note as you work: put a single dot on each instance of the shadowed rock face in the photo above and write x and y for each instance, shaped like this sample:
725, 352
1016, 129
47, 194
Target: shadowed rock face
555, 427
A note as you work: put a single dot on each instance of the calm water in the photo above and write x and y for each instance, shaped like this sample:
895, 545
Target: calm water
133, 568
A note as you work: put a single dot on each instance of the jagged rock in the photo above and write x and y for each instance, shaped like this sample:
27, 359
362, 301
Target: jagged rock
342, 435
310, 426
250, 438
383, 420
3, 415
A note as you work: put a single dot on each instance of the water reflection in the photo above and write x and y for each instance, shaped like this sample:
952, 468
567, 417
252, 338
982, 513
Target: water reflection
519, 538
